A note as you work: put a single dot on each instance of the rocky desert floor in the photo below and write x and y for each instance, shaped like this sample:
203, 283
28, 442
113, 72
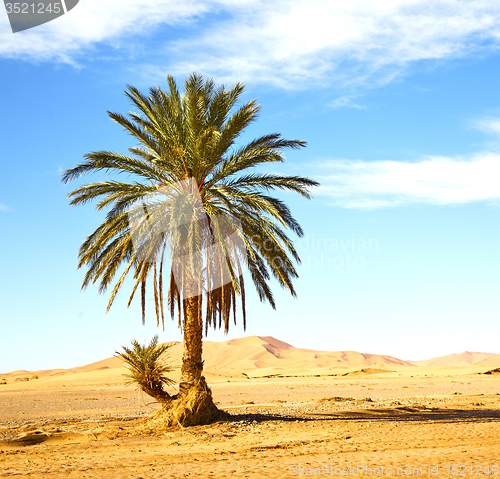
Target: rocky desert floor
439, 423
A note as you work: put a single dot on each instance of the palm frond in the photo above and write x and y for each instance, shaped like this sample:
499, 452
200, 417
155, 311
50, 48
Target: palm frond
148, 367
186, 147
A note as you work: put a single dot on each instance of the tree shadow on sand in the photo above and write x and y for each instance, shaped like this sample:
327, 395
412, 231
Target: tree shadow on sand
398, 414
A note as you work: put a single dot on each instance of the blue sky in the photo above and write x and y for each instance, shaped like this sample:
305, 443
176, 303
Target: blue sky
399, 103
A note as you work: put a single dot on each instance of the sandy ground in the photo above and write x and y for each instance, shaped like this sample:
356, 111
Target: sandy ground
280, 427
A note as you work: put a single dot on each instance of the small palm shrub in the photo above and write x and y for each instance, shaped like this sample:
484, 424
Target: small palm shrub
148, 368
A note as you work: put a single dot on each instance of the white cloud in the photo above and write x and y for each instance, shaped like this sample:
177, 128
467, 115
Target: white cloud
346, 101
92, 22
431, 180
298, 42
488, 125
292, 44
4, 207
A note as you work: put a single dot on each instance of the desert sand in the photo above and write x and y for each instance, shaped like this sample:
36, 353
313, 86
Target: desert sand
293, 412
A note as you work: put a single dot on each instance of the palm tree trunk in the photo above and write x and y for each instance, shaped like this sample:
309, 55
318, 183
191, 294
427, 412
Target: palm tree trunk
158, 394
192, 364
194, 404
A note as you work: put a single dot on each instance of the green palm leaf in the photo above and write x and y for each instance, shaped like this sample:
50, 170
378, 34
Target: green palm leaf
148, 367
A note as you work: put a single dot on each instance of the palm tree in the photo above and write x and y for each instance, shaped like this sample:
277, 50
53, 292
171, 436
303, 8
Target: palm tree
191, 196
148, 368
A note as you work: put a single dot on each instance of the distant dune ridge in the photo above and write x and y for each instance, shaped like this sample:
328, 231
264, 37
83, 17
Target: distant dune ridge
262, 353
492, 361
463, 359
267, 352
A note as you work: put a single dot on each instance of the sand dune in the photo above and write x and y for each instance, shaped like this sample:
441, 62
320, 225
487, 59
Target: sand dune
264, 353
21, 373
109, 363
492, 361
463, 359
